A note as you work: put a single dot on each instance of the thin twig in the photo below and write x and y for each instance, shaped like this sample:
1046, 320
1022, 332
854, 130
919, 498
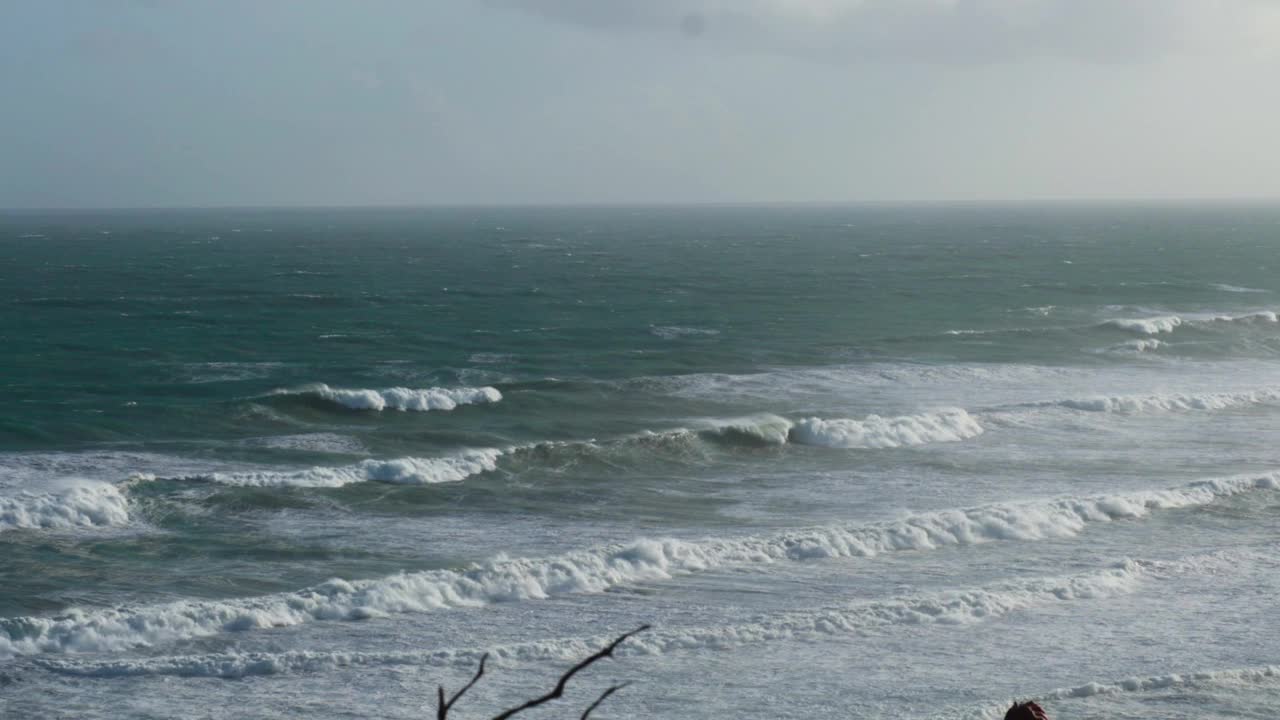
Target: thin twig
564, 679
442, 707
603, 696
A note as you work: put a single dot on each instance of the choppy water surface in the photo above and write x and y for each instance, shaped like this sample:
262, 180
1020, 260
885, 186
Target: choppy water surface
849, 462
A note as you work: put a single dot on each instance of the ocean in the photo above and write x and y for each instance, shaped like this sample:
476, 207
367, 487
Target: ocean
847, 461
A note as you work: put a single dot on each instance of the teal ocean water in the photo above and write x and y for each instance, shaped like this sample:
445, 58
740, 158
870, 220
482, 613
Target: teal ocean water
848, 461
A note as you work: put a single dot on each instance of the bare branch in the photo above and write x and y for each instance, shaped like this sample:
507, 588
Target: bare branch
564, 679
603, 696
442, 707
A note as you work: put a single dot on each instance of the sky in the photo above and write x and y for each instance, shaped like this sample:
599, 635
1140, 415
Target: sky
155, 103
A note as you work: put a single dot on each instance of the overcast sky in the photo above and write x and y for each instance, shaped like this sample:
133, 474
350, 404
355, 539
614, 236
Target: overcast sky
124, 103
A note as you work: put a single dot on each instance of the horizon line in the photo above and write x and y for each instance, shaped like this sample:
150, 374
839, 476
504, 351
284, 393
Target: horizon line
976, 202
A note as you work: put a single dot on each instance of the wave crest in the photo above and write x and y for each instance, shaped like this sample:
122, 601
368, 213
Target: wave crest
400, 398
1168, 323
947, 425
83, 505
1146, 326
400, 471
1135, 404
947, 607
594, 570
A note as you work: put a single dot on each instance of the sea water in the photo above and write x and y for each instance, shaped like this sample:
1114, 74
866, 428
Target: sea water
857, 462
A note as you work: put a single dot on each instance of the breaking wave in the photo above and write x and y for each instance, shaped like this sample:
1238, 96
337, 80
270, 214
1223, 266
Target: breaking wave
1168, 323
1135, 404
948, 425
756, 431
1165, 682
399, 398
1146, 326
1238, 289
82, 505
594, 570
949, 607
401, 471
1137, 346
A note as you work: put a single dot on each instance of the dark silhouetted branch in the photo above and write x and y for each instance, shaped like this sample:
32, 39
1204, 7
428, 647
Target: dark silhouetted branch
603, 696
442, 707
564, 679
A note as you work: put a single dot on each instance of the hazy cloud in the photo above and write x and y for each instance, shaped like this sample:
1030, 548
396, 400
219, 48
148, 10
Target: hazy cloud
946, 31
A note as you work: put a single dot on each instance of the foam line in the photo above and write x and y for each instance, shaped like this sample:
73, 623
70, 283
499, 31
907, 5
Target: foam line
1135, 404
952, 607
400, 471
594, 570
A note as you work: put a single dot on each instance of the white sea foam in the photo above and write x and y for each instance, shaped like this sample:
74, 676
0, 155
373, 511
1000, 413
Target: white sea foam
1138, 346
1137, 404
873, 431
312, 442
1265, 316
594, 570
76, 504
1171, 681
400, 471
849, 383
949, 608
673, 332
36, 471
400, 398
1168, 323
1239, 677
1146, 326
1238, 289
946, 425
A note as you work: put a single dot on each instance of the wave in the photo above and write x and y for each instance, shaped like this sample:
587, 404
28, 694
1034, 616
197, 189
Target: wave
399, 398
764, 430
1166, 682
761, 429
1173, 681
1146, 326
1265, 316
947, 425
674, 332
1135, 404
81, 505
312, 442
35, 470
1237, 289
401, 471
1137, 346
595, 570
1168, 323
948, 607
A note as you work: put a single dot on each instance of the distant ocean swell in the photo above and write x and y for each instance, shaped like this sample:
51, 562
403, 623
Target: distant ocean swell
595, 570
